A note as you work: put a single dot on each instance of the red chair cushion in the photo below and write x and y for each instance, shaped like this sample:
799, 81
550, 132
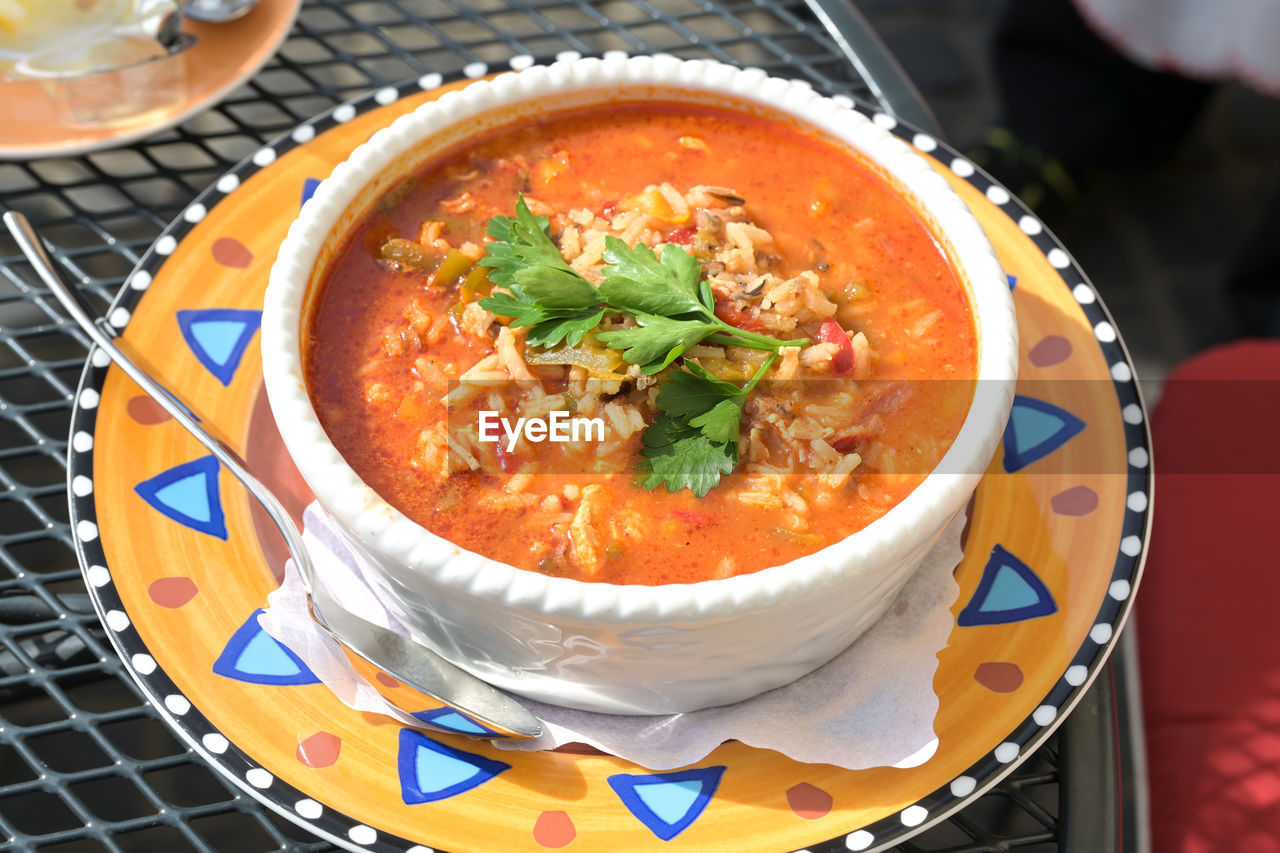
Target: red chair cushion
1209, 609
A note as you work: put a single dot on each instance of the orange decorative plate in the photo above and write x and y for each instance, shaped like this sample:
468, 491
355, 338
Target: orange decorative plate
223, 57
173, 556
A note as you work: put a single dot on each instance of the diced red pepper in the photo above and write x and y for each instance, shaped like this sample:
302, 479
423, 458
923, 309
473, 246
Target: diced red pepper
727, 311
609, 210
683, 236
831, 333
845, 444
697, 519
507, 460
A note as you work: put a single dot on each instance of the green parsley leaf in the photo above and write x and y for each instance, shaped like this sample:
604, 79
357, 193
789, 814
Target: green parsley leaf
522, 310
570, 326
639, 283
550, 287
680, 456
686, 394
658, 342
519, 242
723, 422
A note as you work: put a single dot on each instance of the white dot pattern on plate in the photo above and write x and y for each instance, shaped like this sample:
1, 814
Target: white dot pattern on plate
1058, 259
81, 485
1030, 225
98, 576
859, 840
309, 809
1131, 545
119, 318
1132, 414
1076, 674
89, 398
963, 786
962, 167
520, 62
362, 834
418, 848
258, 778
1083, 294
177, 704
344, 113
140, 280
1100, 633
924, 142
303, 133
215, 743
117, 620
997, 195
1138, 457
1120, 372
82, 442
228, 183
1044, 715
843, 100
386, 95
194, 213
264, 157
914, 815
430, 81
885, 120
475, 69
1105, 332
166, 244
1119, 590
568, 55
100, 358
144, 664
86, 531
1006, 752
1137, 501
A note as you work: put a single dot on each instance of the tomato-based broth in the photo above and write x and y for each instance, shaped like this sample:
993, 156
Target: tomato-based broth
791, 238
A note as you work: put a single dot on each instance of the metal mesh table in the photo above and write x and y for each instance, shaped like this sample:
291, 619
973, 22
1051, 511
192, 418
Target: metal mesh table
85, 763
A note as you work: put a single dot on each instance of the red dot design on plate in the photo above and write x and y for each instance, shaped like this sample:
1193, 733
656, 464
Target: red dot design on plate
809, 801
386, 680
1052, 350
230, 252
172, 592
319, 750
1080, 500
554, 829
142, 409
376, 719
998, 677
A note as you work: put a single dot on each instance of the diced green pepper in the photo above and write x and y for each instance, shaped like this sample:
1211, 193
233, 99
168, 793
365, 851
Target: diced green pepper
453, 267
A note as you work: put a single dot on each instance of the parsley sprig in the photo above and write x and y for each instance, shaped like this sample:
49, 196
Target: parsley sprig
694, 440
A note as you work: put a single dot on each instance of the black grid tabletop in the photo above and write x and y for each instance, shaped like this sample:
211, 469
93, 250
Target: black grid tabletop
85, 763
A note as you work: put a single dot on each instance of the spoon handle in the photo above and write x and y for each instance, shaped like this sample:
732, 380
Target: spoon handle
405, 659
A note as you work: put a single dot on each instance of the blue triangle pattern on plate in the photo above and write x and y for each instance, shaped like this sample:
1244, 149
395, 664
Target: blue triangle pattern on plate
451, 721
308, 189
430, 770
188, 493
1013, 281
1035, 430
667, 803
1008, 592
255, 656
218, 337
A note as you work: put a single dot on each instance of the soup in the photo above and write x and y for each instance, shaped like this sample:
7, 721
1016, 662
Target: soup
750, 341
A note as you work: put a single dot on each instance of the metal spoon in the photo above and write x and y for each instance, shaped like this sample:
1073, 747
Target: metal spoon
217, 11
367, 645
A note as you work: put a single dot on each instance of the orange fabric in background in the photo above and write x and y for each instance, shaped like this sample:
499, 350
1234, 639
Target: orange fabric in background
1209, 612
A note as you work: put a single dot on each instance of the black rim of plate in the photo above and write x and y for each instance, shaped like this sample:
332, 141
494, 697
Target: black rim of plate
329, 823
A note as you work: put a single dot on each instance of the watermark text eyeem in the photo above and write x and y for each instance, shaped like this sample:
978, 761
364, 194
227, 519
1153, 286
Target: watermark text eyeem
556, 426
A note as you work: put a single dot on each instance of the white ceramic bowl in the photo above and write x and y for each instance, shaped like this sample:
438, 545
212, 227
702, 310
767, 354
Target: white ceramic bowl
604, 647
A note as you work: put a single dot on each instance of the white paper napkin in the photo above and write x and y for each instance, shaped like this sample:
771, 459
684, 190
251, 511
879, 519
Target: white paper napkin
872, 706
